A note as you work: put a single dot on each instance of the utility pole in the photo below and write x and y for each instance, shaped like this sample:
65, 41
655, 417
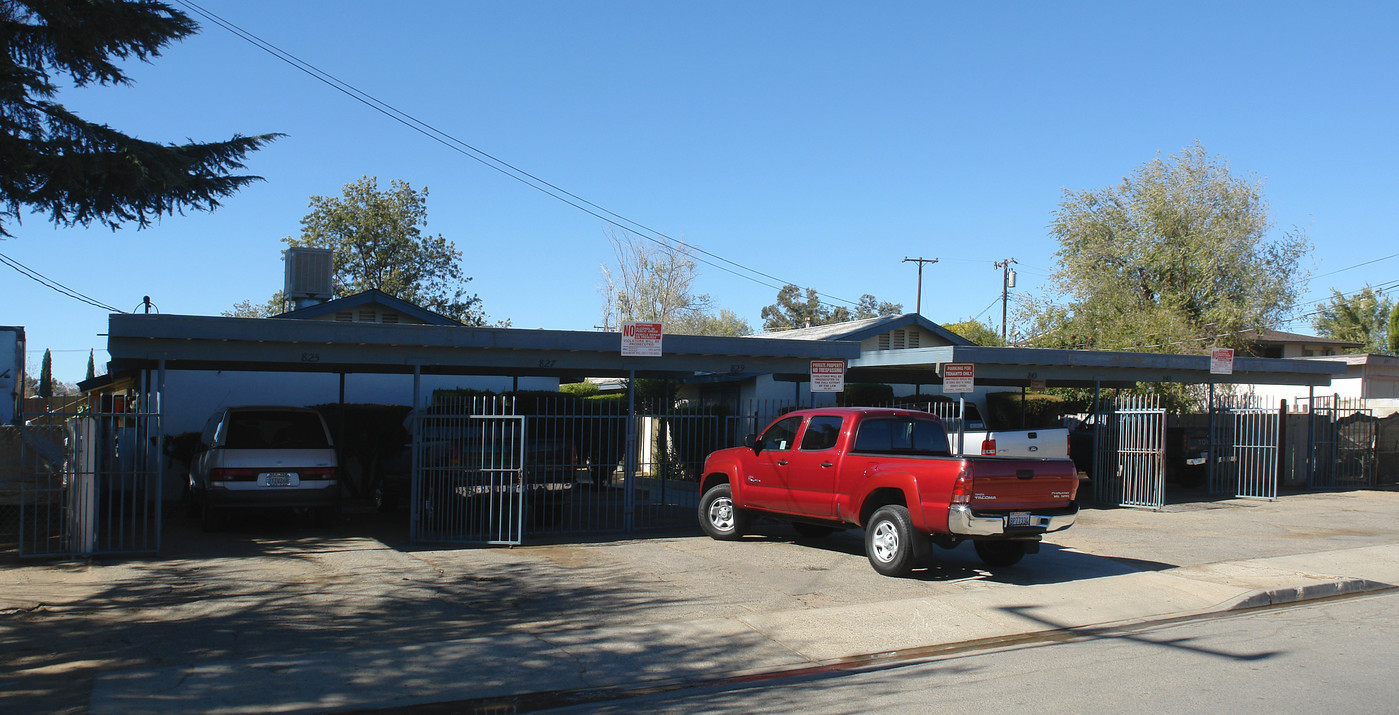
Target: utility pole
1007, 282
920, 261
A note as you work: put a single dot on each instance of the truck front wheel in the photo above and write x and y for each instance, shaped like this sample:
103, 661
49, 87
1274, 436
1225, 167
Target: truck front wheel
719, 517
889, 541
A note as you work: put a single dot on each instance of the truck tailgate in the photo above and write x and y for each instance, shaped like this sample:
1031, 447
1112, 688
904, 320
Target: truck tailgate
1023, 483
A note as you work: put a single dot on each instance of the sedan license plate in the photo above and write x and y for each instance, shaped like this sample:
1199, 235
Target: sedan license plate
1019, 518
279, 479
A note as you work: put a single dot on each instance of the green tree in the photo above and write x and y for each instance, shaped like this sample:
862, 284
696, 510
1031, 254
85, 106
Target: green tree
79, 172
1174, 258
977, 332
868, 307
1363, 318
725, 323
46, 376
655, 283
1393, 343
91, 365
249, 309
795, 310
378, 243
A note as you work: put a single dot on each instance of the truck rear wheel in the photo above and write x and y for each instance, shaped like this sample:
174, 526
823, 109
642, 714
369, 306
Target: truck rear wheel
718, 516
999, 554
889, 541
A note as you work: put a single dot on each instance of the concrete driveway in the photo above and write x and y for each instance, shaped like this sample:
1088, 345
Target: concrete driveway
278, 615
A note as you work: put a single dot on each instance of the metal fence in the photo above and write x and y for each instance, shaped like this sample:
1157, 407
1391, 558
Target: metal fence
1244, 447
85, 484
1129, 462
1344, 445
493, 470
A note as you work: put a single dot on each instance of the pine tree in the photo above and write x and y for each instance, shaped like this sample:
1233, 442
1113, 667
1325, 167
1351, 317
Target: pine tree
81, 172
46, 376
91, 366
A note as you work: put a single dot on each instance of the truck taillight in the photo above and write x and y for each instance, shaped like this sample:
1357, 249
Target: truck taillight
962, 487
988, 447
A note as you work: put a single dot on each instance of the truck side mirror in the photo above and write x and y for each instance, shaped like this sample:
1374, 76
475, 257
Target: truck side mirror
751, 442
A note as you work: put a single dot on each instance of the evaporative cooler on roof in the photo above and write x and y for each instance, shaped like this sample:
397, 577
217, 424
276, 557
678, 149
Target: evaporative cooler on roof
310, 274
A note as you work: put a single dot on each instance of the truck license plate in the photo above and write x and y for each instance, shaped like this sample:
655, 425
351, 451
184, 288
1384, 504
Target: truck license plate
1019, 518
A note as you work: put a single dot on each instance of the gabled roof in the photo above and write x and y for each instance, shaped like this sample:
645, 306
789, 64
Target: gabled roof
1278, 337
369, 297
865, 328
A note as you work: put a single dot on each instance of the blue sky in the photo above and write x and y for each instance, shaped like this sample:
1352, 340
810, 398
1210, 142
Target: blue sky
818, 142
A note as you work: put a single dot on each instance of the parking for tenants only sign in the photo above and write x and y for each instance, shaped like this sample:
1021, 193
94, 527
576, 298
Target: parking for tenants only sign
958, 377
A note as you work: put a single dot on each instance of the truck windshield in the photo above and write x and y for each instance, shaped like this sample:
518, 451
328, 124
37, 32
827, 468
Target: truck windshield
902, 436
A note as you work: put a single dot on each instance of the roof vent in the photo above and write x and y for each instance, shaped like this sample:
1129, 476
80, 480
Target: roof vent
310, 273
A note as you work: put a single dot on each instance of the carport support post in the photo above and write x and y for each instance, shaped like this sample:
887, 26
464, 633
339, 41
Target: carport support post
629, 459
962, 425
413, 496
160, 442
1311, 435
1209, 451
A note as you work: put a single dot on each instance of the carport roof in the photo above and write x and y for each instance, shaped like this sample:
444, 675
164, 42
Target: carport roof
137, 341
1079, 368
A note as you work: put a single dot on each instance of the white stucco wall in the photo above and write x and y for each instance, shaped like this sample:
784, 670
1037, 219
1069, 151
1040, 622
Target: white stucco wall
191, 396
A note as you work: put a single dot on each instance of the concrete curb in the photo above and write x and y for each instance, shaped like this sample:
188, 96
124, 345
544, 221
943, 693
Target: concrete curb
1280, 596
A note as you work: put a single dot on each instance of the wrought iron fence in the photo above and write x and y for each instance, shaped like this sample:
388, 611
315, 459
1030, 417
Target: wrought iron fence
1344, 444
85, 484
1244, 447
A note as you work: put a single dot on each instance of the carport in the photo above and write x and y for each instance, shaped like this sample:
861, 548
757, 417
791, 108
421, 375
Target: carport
1129, 434
145, 348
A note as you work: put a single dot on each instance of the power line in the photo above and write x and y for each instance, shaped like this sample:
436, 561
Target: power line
54, 285
1366, 263
499, 165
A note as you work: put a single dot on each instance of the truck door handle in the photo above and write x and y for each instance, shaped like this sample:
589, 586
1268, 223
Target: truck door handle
827, 464
781, 462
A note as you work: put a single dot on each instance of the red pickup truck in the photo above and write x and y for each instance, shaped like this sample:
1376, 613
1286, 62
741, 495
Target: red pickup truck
889, 471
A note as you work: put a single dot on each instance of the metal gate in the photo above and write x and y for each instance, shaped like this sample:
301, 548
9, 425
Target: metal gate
1244, 448
1344, 444
1129, 462
89, 484
468, 482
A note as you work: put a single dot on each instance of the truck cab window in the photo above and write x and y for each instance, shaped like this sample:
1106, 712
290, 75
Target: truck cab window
822, 433
781, 436
902, 437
